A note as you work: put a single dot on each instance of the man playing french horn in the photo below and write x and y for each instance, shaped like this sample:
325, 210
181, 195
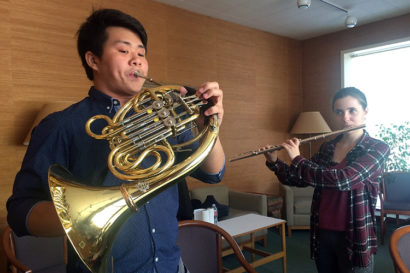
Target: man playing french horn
112, 46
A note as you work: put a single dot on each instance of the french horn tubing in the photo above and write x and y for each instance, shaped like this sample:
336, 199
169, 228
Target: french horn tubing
91, 216
306, 140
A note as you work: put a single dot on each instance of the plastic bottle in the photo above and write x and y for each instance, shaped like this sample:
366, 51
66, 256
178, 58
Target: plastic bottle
215, 213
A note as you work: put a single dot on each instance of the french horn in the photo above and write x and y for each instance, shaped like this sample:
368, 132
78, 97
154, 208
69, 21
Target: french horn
92, 216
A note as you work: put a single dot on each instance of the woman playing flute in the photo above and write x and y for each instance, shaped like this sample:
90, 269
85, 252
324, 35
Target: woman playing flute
346, 175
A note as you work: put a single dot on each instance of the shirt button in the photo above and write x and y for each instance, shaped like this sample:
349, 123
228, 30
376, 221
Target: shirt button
156, 259
115, 102
108, 108
153, 230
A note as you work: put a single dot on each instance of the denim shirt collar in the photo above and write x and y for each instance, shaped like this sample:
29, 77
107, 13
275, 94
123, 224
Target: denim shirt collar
111, 104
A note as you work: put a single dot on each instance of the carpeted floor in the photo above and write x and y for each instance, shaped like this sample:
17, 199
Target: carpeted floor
298, 253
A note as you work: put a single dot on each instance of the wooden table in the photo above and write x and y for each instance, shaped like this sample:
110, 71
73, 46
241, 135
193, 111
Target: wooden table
249, 224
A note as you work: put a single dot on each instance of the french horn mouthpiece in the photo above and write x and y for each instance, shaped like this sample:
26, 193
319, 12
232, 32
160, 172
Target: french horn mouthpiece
137, 75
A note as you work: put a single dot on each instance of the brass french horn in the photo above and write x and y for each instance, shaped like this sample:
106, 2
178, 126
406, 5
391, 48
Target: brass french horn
92, 216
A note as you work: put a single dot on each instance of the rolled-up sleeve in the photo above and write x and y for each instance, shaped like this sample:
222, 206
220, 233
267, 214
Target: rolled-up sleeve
209, 178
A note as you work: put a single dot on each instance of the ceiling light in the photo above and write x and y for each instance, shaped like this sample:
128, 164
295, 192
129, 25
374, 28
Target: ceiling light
350, 21
304, 4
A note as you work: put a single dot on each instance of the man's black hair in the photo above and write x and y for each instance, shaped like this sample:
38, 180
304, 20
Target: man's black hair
92, 33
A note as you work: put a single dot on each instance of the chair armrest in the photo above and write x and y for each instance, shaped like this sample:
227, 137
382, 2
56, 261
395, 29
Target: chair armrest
9, 251
381, 198
248, 201
381, 194
290, 201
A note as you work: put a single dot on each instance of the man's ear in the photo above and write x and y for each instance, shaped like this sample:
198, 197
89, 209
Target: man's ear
91, 60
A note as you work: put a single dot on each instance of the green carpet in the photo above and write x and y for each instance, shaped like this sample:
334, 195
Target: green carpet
298, 253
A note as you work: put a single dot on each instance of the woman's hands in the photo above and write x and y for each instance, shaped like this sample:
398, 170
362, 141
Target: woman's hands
272, 156
291, 146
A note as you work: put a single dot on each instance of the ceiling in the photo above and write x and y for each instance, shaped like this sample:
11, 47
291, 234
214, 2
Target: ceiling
283, 17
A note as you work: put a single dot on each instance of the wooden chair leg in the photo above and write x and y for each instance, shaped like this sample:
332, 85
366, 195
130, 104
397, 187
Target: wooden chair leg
289, 231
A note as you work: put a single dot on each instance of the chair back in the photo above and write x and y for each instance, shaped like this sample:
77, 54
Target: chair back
200, 246
204, 257
35, 254
220, 192
396, 186
305, 191
400, 249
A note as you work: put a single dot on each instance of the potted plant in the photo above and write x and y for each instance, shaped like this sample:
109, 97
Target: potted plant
397, 136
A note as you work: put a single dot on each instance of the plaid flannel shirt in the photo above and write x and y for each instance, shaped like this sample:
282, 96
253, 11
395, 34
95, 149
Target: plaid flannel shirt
360, 178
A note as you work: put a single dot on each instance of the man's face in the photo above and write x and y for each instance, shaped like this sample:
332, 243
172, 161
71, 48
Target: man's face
123, 54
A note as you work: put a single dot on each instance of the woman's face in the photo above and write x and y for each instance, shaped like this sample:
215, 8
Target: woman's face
349, 112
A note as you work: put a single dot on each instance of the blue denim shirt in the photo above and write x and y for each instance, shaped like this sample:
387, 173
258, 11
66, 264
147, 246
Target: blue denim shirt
147, 241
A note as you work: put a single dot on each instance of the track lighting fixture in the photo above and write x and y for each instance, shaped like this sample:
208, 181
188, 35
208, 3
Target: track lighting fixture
350, 21
303, 4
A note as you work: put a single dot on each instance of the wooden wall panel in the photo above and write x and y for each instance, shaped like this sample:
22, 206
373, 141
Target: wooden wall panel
262, 90
259, 73
5, 75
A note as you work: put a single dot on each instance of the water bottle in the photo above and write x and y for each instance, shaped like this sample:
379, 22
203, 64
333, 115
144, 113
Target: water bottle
215, 213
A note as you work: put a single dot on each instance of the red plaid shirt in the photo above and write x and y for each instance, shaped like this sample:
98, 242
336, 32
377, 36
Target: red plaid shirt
360, 178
